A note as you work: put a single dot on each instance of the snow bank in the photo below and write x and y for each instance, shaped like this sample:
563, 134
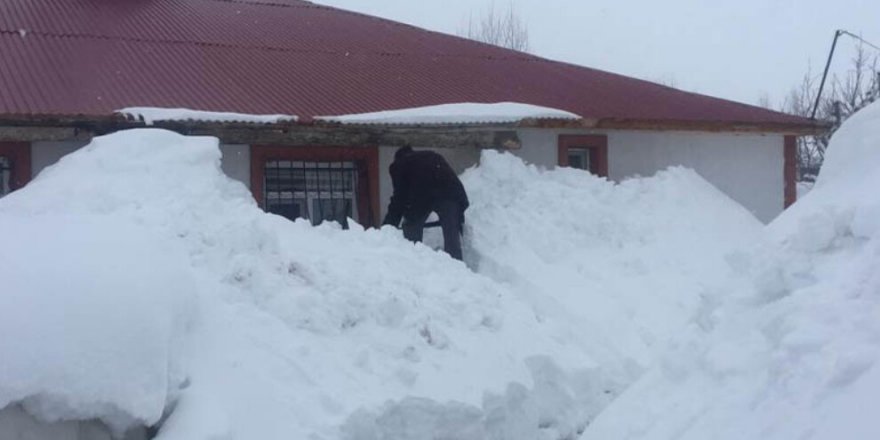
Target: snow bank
619, 269
148, 286
151, 115
291, 329
459, 113
796, 354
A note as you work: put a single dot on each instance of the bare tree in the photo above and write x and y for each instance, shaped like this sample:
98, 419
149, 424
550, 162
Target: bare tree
811, 149
502, 28
849, 93
667, 80
765, 101
858, 88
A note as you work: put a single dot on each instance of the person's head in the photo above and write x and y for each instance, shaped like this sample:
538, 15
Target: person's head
403, 152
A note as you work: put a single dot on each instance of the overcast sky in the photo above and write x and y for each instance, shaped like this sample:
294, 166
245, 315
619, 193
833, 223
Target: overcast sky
738, 49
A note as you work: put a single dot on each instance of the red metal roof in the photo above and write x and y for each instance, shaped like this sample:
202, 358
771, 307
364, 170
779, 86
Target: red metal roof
92, 57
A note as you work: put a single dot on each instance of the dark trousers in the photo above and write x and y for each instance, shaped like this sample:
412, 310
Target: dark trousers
451, 220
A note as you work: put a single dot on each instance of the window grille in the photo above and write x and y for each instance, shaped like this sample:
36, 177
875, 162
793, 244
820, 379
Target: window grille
317, 191
5, 176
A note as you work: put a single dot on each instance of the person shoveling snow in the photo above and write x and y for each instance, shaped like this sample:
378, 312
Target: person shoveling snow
424, 183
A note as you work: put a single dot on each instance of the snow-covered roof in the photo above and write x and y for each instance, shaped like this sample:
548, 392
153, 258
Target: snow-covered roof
153, 114
454, 114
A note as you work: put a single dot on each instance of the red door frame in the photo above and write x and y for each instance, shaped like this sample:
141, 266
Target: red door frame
20, 155
366, 157
597, 144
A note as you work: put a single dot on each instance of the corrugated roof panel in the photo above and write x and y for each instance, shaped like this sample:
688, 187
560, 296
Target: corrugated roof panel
293, 57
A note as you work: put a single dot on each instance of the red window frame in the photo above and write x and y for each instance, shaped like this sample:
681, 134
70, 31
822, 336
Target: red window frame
366, 158
20, 155
596, 144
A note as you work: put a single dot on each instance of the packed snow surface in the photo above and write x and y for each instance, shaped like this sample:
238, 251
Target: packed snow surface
151, 115
458, 113
796, 355
149, 287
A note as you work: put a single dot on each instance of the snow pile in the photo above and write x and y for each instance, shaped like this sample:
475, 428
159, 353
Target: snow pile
147, 287
90, 329
796, 354
803, 188
151, 115
458, 113
147, 281
618, 269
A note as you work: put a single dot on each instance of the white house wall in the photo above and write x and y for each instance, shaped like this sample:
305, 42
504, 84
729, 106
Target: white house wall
236, 162
539, 147
44, 154
747, 167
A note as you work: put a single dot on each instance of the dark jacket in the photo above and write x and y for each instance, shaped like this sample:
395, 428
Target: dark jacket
420, 179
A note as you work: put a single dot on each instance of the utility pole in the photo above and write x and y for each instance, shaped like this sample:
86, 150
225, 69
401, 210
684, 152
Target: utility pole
837, 35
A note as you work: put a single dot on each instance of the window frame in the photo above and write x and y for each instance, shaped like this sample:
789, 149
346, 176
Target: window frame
366, 161
595, 144
19, 153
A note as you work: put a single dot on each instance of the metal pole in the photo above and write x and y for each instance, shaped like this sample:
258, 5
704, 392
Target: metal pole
837, 34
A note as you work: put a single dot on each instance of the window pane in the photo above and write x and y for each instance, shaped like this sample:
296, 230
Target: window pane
5, 176
579, 158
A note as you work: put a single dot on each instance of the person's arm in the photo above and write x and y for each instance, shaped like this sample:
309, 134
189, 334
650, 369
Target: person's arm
398, 198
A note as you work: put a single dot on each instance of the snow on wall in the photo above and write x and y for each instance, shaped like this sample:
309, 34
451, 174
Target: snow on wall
723, 159
747, 167
796, 355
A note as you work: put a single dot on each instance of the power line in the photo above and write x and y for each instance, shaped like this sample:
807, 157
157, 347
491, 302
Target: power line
837, 35
857, 37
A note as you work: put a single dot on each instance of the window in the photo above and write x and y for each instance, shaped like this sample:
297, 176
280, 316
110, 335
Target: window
584, 152
317, 191
579, 158
317, 183
15, 166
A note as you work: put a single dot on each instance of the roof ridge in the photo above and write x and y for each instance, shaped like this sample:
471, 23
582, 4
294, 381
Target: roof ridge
28, 33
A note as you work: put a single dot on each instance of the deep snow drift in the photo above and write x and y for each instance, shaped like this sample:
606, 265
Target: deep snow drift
795, 355
148, 282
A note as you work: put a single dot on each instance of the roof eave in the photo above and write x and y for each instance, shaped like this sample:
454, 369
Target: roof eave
108, 123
